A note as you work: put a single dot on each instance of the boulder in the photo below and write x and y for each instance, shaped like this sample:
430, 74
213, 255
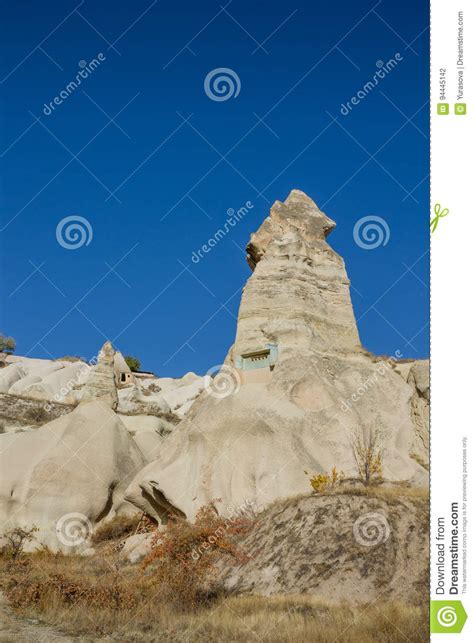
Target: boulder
136, 547
67, 476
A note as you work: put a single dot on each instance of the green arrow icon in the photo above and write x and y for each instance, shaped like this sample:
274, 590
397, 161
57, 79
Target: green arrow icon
447, 617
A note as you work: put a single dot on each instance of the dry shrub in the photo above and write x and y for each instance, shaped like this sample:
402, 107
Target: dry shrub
16, 539
367, 450
58, 588
325, 481
37, 415
121, 527
185, 554
178, 573
92, 598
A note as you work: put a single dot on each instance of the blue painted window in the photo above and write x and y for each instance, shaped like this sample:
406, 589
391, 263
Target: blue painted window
264, 358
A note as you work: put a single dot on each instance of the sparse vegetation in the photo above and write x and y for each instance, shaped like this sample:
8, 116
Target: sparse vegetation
151, 388
16, 540
367, 450
36, 415
102, 596
186, 554
130, 612
7, 344
122, 526
324, 481
133, 363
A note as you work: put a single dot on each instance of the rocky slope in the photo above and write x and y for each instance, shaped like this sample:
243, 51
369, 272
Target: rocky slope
64, 468
343, 546
62, 382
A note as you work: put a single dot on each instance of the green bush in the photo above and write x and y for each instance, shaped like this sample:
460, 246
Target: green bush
133, 363
7, 344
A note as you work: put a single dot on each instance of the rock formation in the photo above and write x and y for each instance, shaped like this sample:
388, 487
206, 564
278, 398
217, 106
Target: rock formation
298, 296
294, 395
57, 381
66, 476
341, 546
296, 391
101, 381
64, 468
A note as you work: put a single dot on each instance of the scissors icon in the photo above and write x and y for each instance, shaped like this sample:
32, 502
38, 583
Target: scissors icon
438, 214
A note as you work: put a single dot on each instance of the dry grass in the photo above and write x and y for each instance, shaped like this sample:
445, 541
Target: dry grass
121, 527
393, 492
388, 493
126, 608
104, 598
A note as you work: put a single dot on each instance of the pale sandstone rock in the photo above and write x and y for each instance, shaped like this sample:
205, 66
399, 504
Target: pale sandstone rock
183, 394
47, 380
149, 444
10, 375
132, 400
343, 547
163, 394
120, 365
61, 384
136, 547
419, 380
67, 382
152, 423
78, 464
256, 443
101, 381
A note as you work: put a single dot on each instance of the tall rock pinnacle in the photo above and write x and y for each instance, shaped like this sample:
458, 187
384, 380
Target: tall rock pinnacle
100, 384
299, 293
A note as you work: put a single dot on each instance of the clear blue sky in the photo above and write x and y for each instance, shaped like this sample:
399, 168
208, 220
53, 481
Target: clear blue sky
297, 62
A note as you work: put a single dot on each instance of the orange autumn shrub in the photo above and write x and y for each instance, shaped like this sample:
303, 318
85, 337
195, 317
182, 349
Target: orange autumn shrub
184, 555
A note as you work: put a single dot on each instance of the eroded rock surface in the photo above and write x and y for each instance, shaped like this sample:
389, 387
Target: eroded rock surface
101, 381
67, 475
345, 547
296, 390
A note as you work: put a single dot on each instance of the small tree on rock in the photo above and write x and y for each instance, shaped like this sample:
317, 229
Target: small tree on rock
133, 363
7, 344
367, 450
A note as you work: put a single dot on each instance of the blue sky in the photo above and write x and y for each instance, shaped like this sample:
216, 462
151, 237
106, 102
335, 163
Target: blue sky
155, 186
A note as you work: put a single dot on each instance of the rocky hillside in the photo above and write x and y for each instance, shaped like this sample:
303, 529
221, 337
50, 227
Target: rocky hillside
348, 546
